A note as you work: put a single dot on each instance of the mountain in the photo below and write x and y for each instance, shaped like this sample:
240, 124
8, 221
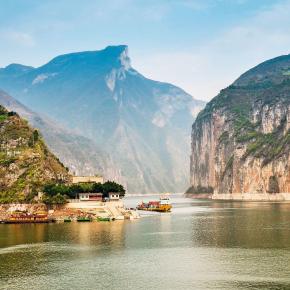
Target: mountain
241, 140
26, 164
143, 124
81, 155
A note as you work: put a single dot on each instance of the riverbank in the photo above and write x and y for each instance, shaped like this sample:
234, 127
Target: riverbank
114, 210
242, 196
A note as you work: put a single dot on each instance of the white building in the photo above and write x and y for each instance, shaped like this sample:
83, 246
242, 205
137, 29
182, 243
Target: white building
90, 196
114, 195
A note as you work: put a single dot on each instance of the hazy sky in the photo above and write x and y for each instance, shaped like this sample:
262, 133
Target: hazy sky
199, 45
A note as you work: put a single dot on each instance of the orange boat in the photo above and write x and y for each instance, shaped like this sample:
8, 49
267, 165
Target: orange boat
163, 205
23, 217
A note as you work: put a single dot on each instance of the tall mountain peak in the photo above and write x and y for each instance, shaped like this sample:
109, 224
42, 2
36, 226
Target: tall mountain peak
143, 124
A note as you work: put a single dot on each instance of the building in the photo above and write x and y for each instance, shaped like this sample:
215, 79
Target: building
90, 196
114, 196
85, 179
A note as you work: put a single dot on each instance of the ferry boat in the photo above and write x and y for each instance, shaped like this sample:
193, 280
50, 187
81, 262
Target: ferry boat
162, 205
23, 217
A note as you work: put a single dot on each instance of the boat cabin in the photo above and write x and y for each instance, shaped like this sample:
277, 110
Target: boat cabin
90, 196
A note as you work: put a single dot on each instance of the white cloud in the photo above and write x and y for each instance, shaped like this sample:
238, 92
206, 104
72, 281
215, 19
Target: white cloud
205, 69
17, 37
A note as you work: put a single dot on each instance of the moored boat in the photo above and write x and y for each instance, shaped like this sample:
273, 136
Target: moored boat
103, 219
163, 205
84, 219
23, 217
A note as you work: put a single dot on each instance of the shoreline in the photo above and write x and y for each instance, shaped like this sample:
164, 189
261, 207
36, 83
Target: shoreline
111, 210
241, 196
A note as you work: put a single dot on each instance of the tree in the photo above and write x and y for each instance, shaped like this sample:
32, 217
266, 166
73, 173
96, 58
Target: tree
33, 139
52, 190
56, 199
111, 186
97, 187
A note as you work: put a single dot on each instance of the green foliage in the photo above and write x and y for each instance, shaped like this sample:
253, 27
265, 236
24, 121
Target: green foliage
229, 166
56, 199
286, 73
33, 138
111, 186
5, 160
3, 118
268, 146
224, 137
248, 136
73, 190
12, 113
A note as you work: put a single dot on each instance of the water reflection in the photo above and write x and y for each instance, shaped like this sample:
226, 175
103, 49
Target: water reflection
246, 225
200, 245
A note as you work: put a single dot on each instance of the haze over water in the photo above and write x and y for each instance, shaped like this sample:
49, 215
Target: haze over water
200, 245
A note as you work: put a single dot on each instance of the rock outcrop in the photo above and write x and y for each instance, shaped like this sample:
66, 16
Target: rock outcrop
241, 140
26, 164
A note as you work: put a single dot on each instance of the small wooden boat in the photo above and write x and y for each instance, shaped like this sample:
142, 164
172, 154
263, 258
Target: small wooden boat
103, 219
67, 220
23, 217
84, 219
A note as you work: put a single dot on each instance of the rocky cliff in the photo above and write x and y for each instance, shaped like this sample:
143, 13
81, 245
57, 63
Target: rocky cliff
241, 140
26, 164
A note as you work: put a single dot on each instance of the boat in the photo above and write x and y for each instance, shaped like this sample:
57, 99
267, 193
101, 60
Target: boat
84, 219
162, 205
23, 217
103, 219
67, 220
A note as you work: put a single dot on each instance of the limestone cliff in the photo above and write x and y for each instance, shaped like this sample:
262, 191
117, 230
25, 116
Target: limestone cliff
26, 164
241, 140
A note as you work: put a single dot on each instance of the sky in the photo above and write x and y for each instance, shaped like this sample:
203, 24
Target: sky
201, 46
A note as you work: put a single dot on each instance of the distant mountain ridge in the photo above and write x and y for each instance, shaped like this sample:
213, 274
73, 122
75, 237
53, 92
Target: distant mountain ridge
143, 124
79, 154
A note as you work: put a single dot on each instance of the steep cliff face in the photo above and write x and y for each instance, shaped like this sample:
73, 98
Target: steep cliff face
241, 140
25, 162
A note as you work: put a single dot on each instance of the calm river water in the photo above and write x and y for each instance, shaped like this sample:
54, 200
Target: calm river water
200, 245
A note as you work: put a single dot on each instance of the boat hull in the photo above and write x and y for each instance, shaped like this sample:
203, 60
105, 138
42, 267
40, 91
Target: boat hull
164, 208
84, 220
27, 222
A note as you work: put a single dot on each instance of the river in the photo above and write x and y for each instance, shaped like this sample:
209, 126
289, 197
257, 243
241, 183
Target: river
200, 245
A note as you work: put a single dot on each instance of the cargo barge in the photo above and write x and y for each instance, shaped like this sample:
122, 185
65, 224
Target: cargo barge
163, 205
